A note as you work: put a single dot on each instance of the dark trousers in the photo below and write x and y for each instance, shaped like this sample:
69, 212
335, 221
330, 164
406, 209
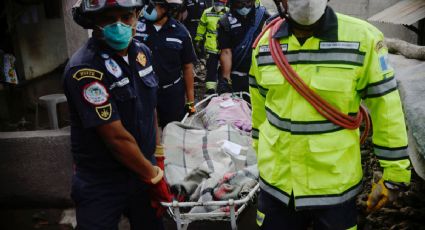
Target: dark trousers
212, 67
101, 200
279, 216
171, 102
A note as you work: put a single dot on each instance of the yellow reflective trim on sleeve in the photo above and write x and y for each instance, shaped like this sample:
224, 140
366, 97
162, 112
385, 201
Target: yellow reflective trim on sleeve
260, 218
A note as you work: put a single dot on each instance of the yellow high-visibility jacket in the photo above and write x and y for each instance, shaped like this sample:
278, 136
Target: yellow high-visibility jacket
207, 28
299, 152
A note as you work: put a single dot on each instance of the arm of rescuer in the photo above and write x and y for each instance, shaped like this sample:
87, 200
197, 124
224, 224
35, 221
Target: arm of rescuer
225, 47
226, 63
188, 57
126, 150
379, 88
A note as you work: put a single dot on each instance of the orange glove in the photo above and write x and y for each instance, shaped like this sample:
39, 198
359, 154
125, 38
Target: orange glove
159, 156
159, 192
380, 195
190, 108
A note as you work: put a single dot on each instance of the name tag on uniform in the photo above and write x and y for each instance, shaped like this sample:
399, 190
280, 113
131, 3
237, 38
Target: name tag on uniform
119, 83
146, 71
266, 49
235, 25
340, 45
174, 40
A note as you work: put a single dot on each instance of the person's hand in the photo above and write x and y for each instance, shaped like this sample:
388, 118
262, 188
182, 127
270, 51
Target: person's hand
381, 195
198, 47
159, 156
159, 191
190, 108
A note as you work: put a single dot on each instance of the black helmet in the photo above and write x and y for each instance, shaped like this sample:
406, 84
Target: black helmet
231, 2
83, 8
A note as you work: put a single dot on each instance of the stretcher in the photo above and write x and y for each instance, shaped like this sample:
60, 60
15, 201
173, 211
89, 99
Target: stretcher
211, 210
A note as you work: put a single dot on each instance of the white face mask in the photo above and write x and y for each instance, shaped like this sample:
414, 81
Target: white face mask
306, 12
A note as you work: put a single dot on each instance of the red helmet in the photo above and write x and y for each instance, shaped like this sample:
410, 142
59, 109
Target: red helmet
221, 1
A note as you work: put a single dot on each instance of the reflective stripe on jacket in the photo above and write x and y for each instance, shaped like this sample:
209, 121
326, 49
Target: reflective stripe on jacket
301, 152
208, 28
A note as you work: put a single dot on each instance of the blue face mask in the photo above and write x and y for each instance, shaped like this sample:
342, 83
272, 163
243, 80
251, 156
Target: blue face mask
153, 16
118, 35
243, 11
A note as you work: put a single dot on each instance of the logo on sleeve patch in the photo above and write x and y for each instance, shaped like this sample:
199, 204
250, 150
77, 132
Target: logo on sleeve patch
113, 68
379, 46
88, 73
104, 112
95, 93
383, 62
141, 59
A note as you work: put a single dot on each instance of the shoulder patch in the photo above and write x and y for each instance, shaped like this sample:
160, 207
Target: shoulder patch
141, 59
104, 112
113, 67
88, 73
379, 46
95, 93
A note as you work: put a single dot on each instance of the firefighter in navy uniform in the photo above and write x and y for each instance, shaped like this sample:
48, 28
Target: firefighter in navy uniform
173, 57
237, 31
111, 91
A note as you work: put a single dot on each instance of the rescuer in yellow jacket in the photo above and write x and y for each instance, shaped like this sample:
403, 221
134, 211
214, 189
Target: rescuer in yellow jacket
310, 168
206, 35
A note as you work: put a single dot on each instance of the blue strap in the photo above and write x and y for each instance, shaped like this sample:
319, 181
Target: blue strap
240, 52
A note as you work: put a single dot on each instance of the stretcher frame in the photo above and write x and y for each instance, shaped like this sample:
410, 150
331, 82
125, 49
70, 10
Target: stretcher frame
236, 207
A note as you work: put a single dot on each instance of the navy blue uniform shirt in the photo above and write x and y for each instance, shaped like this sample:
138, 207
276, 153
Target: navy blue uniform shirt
194, 9
239, 27
102, 87
171, 48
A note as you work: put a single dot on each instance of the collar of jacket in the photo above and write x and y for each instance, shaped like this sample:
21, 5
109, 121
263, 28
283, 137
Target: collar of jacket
327, 28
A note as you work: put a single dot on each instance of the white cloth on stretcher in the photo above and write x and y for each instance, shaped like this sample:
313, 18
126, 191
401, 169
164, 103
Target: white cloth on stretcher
195, 158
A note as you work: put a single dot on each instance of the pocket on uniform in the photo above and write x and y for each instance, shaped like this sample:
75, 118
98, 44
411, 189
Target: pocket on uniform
270, 76
124, 93
332, 159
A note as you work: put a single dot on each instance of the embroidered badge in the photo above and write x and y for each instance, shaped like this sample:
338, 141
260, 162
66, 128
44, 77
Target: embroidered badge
113, 68
141, 59
141, 27
95, 93
104, 112
379, 46
87, 73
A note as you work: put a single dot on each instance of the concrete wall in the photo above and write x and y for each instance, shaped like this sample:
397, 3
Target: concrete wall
366, 8
75, 35
41, 41
35, 169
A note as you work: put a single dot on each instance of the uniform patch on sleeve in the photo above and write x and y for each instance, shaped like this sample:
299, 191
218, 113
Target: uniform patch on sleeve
88, 73
104, 112
95, 93
383, 62
379, 46
141, 59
